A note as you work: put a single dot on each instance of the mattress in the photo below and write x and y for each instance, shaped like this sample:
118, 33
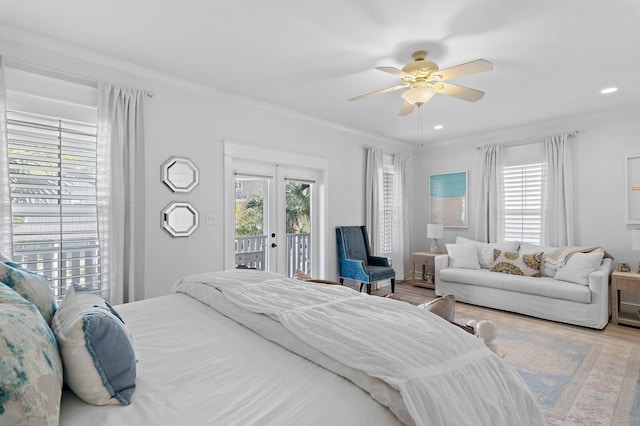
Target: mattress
197, 367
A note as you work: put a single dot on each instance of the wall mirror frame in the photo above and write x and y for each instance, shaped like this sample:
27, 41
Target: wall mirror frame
180, 174
180, 219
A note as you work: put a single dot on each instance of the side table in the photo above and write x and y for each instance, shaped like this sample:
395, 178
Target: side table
626, 281
427, 261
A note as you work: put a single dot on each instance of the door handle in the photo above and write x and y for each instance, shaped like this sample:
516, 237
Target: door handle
273, 245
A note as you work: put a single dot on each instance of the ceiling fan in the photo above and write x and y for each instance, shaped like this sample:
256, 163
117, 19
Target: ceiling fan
424, 79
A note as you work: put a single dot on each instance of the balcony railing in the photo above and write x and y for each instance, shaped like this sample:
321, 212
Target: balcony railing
251, 252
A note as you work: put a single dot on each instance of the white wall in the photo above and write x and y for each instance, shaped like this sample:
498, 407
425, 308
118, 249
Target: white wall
604, 139
188, 120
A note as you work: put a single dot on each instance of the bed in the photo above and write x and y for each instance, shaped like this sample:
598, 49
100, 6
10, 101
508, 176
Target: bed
246, 347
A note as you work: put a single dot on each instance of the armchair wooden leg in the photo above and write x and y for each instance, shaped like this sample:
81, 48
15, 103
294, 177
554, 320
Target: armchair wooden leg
341, 281
361, 284
368, 288
393, 285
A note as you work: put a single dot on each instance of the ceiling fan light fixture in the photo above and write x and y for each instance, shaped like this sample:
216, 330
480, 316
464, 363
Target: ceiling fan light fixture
418, 95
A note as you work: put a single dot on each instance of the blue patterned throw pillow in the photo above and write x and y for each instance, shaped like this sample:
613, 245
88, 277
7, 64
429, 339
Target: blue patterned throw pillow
30, 365
33, 287
96, 348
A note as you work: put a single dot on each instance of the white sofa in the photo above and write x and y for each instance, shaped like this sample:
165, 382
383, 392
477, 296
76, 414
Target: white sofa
584, 300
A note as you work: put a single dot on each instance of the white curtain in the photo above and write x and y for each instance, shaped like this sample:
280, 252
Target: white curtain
374, 199
120, 192
557, 198
491, 213
6, 221
400, 228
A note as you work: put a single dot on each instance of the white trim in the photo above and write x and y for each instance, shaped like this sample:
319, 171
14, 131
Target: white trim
45, 52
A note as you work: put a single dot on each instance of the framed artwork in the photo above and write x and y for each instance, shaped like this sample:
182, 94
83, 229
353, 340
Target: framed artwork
632, 188
448, 199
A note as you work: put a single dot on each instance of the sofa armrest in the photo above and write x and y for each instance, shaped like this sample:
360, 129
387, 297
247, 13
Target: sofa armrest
440, 262
599, 283
378, 261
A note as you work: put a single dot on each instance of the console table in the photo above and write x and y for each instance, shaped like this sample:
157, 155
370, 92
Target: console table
427, 261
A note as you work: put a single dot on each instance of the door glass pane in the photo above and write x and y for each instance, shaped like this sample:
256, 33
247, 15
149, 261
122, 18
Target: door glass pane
298, 226
251, 224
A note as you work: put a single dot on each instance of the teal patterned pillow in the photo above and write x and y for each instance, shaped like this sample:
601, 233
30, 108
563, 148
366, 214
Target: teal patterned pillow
33, 287
96, 348
30, 364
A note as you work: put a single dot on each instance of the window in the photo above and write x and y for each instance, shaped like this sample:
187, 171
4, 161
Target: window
522, 183
52, 171
387, 176
52, 139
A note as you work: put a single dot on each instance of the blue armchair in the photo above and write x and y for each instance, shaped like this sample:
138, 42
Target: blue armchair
355, 259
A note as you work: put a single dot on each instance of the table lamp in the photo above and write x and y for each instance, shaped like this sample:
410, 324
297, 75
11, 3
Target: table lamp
435, 231
635, 242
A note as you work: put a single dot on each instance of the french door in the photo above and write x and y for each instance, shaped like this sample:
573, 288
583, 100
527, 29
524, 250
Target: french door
273, 217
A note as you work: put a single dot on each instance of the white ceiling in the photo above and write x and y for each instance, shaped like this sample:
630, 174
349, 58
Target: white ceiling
551, 57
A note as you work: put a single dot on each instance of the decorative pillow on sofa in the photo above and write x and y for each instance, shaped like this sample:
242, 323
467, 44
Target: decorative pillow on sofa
463, 256
579, 266
546, 269
30, 365
485, 250
96, 348
512, 263
33, 287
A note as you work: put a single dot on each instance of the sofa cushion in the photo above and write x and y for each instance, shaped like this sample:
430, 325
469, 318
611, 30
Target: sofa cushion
579, 266
546, 269
507, 262
463, 256
542, 286
485, 250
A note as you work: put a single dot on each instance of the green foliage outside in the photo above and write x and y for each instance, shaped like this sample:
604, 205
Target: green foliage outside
249, 212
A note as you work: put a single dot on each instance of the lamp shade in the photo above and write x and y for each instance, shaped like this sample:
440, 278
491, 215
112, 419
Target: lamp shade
635, 239
418, 95
435, 230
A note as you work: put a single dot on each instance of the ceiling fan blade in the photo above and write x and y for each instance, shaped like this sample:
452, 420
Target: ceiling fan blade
377, 92
459, 92
394, 71
406, 108
479, 65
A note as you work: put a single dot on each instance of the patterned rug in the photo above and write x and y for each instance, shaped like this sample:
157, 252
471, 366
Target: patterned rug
580, 377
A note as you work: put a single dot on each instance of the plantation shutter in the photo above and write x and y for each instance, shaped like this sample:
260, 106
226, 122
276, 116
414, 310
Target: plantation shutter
387, 177
522, 177
52, 172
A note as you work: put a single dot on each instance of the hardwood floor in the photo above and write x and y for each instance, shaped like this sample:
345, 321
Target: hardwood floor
417, 295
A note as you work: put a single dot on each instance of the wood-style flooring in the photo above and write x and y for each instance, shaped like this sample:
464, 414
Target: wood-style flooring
417, 295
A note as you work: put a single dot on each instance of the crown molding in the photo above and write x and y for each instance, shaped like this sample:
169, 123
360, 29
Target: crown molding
46, 52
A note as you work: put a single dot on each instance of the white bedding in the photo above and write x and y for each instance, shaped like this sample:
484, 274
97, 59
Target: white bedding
425, 370
197, 367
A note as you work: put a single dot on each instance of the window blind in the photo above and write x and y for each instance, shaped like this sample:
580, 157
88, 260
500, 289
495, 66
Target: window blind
387, 176
52, 175
523, 202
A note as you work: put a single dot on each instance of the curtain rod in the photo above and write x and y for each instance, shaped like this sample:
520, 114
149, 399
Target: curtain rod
528, 142
50, 72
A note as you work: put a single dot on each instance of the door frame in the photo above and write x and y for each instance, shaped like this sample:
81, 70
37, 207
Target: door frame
246, 151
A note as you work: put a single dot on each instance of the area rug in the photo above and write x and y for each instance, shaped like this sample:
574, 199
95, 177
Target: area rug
579, 377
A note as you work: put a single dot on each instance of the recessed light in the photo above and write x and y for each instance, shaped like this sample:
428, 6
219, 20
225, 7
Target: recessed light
609, 90
438, 126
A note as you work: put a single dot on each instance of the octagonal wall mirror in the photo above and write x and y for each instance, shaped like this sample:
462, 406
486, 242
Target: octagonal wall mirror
180, 219
180, 174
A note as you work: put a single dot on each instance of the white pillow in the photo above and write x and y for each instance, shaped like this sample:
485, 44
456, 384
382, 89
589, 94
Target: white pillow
578, 267
463, 256
97, 350
485, 250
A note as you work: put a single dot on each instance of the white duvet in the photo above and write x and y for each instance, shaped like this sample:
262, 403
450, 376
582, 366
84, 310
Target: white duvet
425, 370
